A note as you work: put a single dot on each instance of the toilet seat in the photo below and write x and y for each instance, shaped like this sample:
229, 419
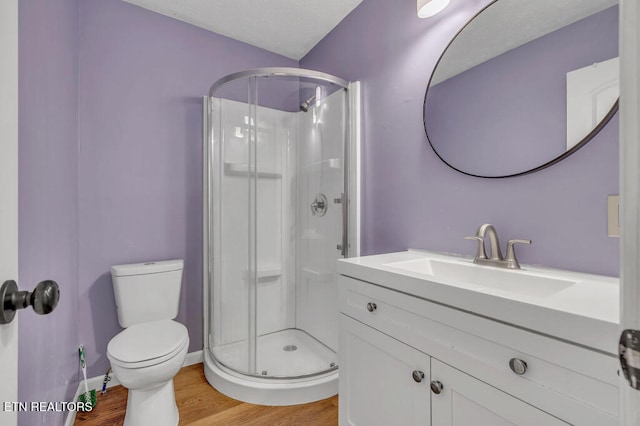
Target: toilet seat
147, 344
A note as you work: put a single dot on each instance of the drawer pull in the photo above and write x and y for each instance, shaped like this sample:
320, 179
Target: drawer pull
371, 307
518, 366
418, 376
436, 387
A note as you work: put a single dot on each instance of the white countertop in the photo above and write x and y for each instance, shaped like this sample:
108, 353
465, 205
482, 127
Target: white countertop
585, 313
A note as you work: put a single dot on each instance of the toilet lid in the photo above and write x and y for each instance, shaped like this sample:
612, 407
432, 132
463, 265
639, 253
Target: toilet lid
148, 343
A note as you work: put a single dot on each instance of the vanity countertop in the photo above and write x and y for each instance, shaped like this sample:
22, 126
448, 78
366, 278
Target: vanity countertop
584, 313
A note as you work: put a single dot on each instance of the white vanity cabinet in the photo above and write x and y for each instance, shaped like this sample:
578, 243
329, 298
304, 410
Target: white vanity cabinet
391, 382
465, 400
381, 371
387, 335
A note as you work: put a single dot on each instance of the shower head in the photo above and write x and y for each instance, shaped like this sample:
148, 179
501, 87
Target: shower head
304, 107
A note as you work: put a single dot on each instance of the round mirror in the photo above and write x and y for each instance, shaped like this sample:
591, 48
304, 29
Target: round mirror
524, 85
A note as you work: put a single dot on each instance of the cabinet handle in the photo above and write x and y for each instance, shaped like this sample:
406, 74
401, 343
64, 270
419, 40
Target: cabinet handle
436, 387
418, 376
371, 307
518, 366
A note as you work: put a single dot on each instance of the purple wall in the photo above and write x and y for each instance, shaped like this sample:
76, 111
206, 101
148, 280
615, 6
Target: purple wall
48, 201
110, 167
142, 77
521, 92
411, 199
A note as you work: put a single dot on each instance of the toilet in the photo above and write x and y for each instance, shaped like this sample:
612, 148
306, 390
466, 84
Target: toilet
151, 349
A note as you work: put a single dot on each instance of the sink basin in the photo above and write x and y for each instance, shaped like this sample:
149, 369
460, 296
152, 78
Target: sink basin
486, 278
572, 306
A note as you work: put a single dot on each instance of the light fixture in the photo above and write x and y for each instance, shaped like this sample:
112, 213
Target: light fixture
428, 8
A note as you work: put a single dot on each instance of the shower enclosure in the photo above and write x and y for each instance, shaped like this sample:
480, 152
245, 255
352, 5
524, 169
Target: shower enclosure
280, 206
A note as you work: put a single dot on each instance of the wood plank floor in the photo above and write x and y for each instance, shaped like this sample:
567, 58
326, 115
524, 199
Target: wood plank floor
201, 405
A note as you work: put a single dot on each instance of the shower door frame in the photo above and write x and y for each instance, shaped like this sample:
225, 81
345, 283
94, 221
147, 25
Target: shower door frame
351, 227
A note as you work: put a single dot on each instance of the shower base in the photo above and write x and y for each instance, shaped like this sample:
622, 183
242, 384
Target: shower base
283, 354
278, 359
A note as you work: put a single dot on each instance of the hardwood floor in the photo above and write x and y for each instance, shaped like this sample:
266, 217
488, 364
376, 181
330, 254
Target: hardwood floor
201, 405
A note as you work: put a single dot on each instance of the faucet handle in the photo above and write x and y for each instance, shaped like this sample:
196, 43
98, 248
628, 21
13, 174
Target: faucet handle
511, 253
480, 252
474, 237
512, 242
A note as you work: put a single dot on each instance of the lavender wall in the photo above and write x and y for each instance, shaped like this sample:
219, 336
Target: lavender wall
519, 93
47, 204
131, 191
142, 76
411, 199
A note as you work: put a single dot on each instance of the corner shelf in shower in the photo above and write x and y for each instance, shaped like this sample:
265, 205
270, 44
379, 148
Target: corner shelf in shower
265, 273
316, 275
325, 165
311, 234
239, 169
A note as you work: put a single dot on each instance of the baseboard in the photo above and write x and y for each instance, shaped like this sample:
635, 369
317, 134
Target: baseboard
96, 382
193, 358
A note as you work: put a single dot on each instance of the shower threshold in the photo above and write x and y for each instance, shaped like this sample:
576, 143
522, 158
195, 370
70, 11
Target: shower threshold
282, 354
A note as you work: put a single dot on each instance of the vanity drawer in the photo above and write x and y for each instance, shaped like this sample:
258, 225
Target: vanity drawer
575, 384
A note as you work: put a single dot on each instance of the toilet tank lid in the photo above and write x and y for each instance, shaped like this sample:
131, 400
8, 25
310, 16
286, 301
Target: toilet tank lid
147, 268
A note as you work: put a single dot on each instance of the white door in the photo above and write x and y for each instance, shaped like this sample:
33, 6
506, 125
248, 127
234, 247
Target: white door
591, 92
466, 401
8, 197
629, 191
377, 385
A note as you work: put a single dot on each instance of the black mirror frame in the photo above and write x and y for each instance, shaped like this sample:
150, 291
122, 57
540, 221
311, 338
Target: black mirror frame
576, 147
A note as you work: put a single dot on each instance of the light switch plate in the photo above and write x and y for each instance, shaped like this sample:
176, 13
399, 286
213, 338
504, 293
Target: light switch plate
613, 215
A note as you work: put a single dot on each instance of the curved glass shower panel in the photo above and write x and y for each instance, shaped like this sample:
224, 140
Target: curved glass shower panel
321, 216
233, 201
279, 202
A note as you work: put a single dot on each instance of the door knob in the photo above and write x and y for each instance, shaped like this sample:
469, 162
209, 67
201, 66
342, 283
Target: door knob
44, 298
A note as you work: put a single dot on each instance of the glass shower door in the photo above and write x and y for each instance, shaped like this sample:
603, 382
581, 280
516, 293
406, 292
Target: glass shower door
321, 214
279, 205
232, 325
275, 216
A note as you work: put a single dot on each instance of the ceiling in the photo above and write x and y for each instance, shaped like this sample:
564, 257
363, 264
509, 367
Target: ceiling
508, 24
288, 27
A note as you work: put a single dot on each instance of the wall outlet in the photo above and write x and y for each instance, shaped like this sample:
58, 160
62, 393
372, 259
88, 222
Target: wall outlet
613, 215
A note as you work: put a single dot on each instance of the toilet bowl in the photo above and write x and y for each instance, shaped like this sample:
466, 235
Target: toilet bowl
145, 358
150, 351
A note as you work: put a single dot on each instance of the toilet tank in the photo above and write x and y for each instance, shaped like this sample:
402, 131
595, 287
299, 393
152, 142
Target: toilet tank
147, 291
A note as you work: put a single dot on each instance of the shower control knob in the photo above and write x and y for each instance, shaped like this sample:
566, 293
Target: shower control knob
418, 376
44, 298
371, 307
319, 205
518, 366
436, 387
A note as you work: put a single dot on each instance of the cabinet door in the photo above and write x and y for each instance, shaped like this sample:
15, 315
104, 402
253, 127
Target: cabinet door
466, 401
377, 385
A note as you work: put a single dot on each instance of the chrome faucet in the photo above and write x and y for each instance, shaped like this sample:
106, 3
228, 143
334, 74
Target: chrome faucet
496, 259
